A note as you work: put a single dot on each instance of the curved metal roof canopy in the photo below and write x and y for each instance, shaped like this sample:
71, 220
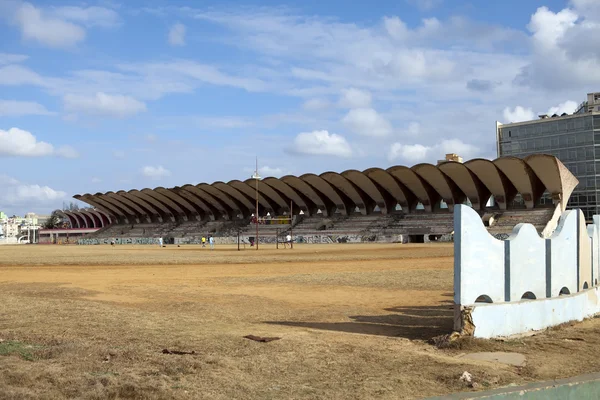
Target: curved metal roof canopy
428, 184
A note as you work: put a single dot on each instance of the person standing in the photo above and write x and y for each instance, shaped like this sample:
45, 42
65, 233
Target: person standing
288, 240
160, 242
211, 242
203, 241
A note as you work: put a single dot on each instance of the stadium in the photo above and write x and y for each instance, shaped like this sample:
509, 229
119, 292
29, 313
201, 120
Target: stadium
399, 204
365, 292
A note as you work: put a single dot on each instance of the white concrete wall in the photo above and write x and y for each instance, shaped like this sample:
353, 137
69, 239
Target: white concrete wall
526, 258
508, 319
478, 259
504, 270
563, 255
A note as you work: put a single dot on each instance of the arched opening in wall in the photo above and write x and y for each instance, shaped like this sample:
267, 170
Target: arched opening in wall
585, 285
434, 238
484, 298
416, 238
564, 291
528, 296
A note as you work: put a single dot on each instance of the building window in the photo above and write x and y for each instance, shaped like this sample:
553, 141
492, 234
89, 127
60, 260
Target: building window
590, 168
589, 154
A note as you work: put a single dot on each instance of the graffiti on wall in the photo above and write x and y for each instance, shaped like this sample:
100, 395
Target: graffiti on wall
136, 240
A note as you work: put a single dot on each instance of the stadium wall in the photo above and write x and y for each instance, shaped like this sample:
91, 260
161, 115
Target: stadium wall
524, 283
308, 239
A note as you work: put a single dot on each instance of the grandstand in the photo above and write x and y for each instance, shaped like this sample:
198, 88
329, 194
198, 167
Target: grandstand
398, 204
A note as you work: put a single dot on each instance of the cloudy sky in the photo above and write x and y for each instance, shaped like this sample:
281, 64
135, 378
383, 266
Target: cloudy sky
98, 96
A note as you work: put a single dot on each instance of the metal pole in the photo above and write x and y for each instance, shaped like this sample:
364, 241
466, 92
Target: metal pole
256, 215
291, 225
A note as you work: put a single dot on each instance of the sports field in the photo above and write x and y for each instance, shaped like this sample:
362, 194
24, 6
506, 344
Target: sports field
92, 322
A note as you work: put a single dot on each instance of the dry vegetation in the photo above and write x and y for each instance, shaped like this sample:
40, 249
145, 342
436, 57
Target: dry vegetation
91, 322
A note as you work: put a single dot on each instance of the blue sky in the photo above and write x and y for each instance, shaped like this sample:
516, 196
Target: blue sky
98, 96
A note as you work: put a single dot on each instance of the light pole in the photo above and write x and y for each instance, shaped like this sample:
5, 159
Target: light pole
256, 176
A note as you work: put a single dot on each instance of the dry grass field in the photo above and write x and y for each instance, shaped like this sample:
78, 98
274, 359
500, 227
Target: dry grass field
91, 322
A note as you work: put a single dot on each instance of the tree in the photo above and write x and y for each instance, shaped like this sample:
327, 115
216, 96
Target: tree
54, 221
70, 207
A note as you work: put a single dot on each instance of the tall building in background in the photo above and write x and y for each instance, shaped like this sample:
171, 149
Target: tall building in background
574, 139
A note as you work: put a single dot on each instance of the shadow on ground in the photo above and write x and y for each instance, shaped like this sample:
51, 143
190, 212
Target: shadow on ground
407, 322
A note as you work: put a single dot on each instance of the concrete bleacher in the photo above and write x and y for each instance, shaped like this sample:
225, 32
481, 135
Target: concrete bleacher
414, 226
505, 221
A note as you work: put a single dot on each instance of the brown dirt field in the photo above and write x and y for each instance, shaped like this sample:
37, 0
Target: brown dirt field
91, 322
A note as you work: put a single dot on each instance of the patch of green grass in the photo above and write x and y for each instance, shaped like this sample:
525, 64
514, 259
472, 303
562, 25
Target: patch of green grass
12, 347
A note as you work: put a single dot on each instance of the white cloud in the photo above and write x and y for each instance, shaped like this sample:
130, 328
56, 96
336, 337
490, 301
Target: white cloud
95, 180
48, 30
20, 143
425, 5
456, 146
269, 171
177, 35
151, 138
324, 50
15, 108
518, 114
14, 75
548, 27
412, 129
321, 143
266, 171
185, 75
367, 122
89, 16
38, 193
118, 154
67, 152
568, 107
155, 172
17, 142
565, 48
355, 98
417, 153
30, 196
316, 104
408, 152
103, 104
7, 58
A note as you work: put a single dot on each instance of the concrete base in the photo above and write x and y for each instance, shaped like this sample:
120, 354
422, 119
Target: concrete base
516, 318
